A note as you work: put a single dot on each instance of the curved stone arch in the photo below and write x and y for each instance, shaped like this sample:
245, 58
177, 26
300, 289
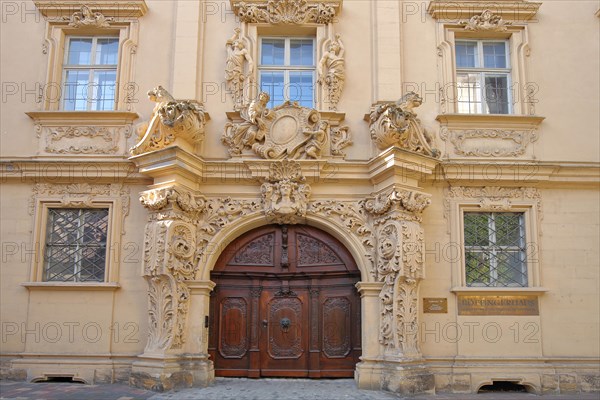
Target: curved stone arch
244, 224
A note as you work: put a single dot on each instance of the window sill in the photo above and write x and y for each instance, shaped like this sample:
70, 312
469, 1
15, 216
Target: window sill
70, 286
490, 120
498, 290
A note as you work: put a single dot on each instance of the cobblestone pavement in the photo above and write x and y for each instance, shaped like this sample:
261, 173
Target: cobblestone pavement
245, 389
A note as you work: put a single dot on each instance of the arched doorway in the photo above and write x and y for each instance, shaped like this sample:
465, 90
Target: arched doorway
285, 305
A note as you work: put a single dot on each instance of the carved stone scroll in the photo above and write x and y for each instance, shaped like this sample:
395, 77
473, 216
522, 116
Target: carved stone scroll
396, 124
172, 120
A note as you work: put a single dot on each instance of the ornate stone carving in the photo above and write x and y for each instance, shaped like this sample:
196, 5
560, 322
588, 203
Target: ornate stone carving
82, 139
285, 195
286, 131
490, 142
487, 21
81, 195
239, 68
172, 120
86, 18
396, 124
332, 71
284, 12
492, 198
398, 203
340, 138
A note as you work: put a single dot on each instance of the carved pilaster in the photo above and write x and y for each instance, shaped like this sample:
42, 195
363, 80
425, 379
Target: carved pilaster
169, 261
400, 267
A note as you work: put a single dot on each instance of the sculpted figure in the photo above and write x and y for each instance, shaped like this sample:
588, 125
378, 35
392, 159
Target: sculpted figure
317, 139
236, 79
332, 71
252, 130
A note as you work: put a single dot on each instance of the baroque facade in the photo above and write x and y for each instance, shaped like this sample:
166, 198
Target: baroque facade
282, 171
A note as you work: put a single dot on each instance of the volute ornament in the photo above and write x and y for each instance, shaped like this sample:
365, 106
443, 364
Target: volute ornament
396, 124
173, 119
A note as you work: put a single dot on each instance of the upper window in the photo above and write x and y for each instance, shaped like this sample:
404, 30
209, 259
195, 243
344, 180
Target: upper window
495, 249
90, 73
483, 76
287, 70
75, 245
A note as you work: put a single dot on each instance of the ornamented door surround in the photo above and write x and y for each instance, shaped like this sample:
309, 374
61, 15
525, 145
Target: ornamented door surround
182, 243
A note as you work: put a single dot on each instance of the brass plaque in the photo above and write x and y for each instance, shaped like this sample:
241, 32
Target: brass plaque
435, 305
497, 305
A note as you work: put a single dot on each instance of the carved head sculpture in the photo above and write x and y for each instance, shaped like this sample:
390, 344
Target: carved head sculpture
263, 98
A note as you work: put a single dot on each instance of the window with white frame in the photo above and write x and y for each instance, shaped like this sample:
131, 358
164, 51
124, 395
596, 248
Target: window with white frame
90, 73
75, 248
495, 249
287, 70
483, 77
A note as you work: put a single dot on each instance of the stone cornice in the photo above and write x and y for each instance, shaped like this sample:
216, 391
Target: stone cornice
122, 9
361, 175
82, 117
458, 11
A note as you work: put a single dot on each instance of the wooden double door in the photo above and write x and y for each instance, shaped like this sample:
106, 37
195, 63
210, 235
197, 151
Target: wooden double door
285, 305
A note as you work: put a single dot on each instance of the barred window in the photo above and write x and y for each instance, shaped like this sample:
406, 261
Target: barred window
495, 249
75, 247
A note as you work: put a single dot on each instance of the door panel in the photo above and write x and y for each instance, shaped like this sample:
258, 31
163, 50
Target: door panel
285, 305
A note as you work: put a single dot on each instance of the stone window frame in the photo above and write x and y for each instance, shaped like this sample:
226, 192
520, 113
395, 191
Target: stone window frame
487, 199
452, 23
322, 33
78, 196
121, 20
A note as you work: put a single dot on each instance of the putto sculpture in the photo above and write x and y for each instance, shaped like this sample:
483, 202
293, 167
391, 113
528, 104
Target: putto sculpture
172, 120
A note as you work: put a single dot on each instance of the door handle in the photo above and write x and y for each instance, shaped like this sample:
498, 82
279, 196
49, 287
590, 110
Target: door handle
264, 323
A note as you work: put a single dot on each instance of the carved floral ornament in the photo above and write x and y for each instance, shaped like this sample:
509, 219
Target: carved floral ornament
396, 124
286, 131
286, 11
172, 119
